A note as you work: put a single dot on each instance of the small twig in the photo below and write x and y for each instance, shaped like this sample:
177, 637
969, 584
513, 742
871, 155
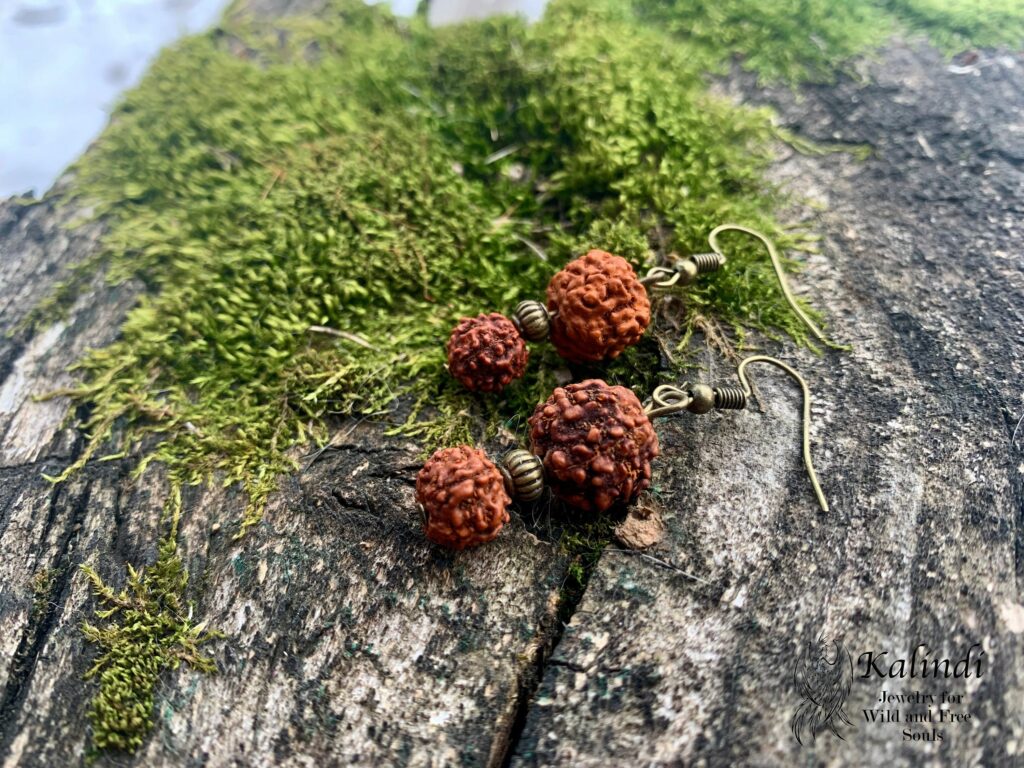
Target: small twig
278, 175
715, 337
341, 335
331, 444
532, 246
662, 563
1013, 437
928, 151
504, 152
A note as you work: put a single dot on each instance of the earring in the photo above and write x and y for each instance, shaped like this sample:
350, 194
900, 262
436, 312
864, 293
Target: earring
596, 308
591, 442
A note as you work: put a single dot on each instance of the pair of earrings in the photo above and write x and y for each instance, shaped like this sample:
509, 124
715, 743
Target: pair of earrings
590, 442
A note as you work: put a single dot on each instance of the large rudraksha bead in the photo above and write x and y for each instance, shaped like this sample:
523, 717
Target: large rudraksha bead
598, 308
596, 443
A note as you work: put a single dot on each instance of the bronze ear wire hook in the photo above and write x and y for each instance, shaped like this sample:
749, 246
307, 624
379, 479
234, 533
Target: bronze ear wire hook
701, 398
742, 374
773, 255
668, 399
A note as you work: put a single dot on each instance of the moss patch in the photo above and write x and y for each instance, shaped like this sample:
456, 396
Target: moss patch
147, 629
789, 40
43, 587
797, 40
958, 24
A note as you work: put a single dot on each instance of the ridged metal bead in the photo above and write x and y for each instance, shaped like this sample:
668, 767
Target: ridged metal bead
532, 320
524, 474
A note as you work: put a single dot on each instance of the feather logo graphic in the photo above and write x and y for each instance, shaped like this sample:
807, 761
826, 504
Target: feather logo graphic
824, 684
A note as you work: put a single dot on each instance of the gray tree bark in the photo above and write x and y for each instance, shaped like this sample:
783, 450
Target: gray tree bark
351, 641
914, 435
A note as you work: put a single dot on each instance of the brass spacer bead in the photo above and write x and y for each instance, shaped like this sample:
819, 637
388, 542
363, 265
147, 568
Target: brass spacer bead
524, 474
532, 320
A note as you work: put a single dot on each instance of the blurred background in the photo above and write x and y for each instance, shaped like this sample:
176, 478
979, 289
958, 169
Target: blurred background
64, 62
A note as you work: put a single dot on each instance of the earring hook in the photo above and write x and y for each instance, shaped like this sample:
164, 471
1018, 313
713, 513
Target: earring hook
742, 374
777, 265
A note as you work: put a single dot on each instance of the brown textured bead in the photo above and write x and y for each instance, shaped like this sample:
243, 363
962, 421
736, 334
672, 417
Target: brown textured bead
601, 305
463, 495
486, 352
596, 443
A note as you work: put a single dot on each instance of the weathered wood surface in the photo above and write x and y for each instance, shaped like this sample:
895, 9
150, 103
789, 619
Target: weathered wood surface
923, 272
352, 642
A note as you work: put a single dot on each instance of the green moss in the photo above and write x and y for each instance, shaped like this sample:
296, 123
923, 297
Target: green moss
955, 25
379, 179
790, 40
582, 541
43, 585
798, 40
147, 630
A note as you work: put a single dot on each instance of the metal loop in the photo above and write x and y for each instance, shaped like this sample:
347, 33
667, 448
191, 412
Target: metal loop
668, 399
660, 277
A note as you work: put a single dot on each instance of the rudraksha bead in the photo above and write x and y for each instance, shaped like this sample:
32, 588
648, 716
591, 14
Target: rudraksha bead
463, 496
486, 352
596, 443
598, 308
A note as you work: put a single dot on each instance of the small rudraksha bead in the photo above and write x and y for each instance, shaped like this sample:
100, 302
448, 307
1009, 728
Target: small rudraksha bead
463, 497
486, 352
